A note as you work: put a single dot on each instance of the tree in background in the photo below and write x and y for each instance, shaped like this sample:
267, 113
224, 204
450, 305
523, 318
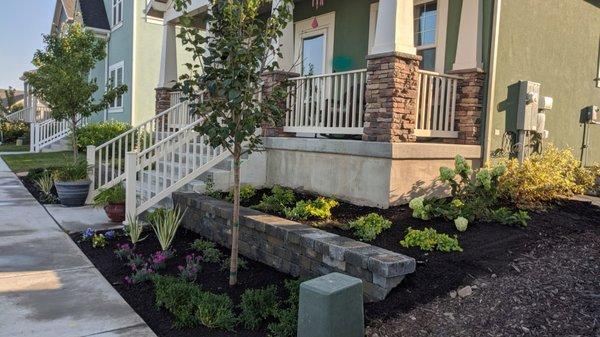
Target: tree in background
61, 79
229, 63
9, 101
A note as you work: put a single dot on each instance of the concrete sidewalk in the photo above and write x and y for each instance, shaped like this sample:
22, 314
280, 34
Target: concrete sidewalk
48, 287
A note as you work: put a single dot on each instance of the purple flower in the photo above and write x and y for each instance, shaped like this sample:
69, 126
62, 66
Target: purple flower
89, 233
110, 234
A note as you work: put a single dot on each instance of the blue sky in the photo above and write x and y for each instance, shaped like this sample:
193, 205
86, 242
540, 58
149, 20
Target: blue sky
22, 24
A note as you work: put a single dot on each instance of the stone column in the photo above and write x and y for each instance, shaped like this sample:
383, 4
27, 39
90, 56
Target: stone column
468, 64
163, 99
392, 78
270, 80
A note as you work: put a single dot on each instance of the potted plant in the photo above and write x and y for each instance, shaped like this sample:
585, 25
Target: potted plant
72, 183
113, 202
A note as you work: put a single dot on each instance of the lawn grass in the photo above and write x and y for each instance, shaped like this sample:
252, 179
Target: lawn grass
11, 147
27, 161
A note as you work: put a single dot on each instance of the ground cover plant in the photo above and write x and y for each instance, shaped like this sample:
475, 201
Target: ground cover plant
29, 161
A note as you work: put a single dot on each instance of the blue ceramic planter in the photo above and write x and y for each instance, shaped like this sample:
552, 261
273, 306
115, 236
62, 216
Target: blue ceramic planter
72, 193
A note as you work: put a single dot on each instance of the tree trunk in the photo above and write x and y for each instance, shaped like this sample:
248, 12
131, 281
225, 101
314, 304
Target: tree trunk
235, 226
74, 138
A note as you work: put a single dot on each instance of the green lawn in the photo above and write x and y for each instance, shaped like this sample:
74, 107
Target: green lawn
11, 147
28, 161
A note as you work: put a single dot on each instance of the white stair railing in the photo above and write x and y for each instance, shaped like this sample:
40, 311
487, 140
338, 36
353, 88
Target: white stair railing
153, 174
108, 159
49, 132
23, 115
436, 105
329, 103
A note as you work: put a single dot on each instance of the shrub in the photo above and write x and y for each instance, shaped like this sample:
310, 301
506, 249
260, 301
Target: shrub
200, 245
113, 195
429, 238
99, 133
242, 264
11, 131
543, 178
277, 201
178, 297
216, 311
45, 184
369, 226
505, 216
165, 224
246, 192
209, 252
319, 208
257, 305
287, 319
71, 171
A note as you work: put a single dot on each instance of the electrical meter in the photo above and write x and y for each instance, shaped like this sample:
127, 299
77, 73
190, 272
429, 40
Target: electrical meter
527, 113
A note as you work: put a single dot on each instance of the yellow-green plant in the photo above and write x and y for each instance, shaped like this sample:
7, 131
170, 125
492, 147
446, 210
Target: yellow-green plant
429, 238
246, 192
165, 224
134, 229
319, 208
544, 177
369, 226
45, 184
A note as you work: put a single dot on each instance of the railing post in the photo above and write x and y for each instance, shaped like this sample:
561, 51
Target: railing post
90, 154
130, 179
33, 131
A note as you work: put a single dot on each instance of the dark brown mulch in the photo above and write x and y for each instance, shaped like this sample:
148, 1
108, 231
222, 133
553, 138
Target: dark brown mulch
211, 278
31, 186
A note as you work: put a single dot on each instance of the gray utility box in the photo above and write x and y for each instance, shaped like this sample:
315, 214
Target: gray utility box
527, 113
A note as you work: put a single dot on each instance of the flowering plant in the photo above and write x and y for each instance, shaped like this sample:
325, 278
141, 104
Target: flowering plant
159, 259
191, 268
123, 251
99, 241
139, 275
110, 234
87, 234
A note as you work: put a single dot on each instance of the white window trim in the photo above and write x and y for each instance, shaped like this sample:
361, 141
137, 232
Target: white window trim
117, 25
115, 67
304, 30
440, 36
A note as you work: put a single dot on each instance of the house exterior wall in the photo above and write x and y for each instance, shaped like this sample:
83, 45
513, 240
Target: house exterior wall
554, 43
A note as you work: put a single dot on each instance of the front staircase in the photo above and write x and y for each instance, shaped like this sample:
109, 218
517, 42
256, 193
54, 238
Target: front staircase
160, 156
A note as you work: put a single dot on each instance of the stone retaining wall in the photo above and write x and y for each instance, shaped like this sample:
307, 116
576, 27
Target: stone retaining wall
295, 248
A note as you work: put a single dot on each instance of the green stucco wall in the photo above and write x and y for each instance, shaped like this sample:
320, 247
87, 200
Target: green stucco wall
554, 43
351, 30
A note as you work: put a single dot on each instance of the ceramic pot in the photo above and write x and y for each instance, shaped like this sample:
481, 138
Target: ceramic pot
72, 193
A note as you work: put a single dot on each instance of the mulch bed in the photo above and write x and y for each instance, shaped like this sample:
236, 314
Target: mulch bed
37, 194
211, 278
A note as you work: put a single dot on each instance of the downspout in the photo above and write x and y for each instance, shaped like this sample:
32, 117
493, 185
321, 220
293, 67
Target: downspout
487, 140
105, 118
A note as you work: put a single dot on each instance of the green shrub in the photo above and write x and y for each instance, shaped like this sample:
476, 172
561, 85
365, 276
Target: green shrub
286, 323
246, 192
277, 201
257, 305
165, 224
179, 297
369, 226
99, 133
216, 311
242, 264
11, 131
545, 177
113, 195
209, 252
45, 184
319, 208
429, 238
71, 171
505, 216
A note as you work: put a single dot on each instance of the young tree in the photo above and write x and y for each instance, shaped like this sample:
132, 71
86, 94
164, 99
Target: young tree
61, 79
9, 101
228, 66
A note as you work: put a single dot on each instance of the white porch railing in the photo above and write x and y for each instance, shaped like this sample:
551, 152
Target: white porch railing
175, 97
42, 114
158, 171
50, 131
108, 159
331, 103
23, 115
436, 105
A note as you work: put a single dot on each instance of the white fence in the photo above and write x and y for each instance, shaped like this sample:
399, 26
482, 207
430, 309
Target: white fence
436, 105
30, 115
331, 103
50, 131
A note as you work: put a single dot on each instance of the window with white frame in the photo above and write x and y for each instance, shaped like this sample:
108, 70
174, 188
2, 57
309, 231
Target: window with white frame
117, 12
425, 33
115, 78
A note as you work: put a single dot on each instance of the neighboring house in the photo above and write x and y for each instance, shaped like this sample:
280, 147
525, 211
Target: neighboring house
133, 52
17, 99
409, 84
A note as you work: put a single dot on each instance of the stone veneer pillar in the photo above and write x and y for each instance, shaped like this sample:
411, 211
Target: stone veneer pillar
163, 99
469, 106
391, 95
270, 80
